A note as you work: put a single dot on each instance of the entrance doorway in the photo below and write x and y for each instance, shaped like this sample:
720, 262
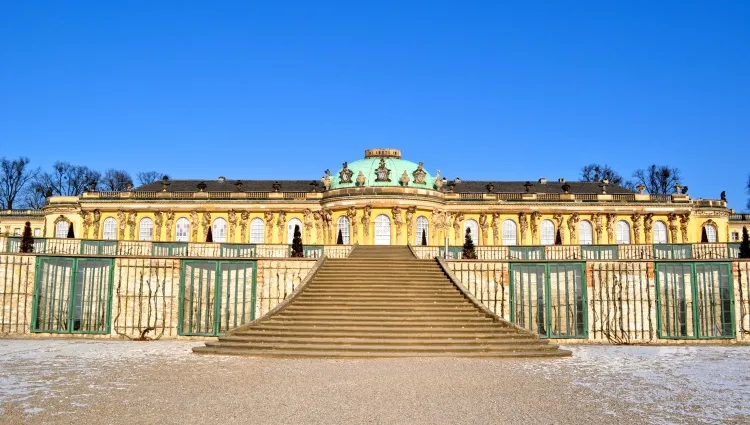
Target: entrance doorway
382, 230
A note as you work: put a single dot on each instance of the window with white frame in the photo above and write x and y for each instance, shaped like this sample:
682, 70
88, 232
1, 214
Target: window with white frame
423, 227
710, 233
109, 231
37, 233
474, 226
61, 229
290, 230
182, 230
623, 232
343, 228
219, 230
510, 232
145, 229
735, 236
585, 233
660, 232
257, 231
17, 232
548, 232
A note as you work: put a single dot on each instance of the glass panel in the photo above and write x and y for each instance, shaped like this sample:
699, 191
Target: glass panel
237, 291
714, 300
198, 298
566, 301
675, 297
529, 309
53, 287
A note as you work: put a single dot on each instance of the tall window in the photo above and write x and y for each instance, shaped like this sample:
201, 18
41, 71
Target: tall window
423, 226
16, 232
110, 229
548, 232
290, 229
257, 228
219, 230
623, 232
343, 226
585, 233
474, 226
61, 229
660, 232
146, 228
710, 233
510, 232
37, 233
182, 230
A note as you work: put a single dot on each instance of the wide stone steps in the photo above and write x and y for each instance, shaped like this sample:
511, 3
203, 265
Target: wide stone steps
381, 302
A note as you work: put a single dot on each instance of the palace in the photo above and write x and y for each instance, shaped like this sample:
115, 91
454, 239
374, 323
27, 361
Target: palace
384, 200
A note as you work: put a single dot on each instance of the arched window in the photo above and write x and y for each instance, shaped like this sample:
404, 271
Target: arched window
61, 229
182, 230
660, 232
257, 231
474, 226
219, 230
548, 232
423, 226
710, 233
110, 229
585, 233
145, 229
343, 227
382, 230
510, 232
623, 232
290, 229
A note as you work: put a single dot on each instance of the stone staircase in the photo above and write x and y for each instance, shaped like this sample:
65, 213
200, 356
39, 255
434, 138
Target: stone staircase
381, 302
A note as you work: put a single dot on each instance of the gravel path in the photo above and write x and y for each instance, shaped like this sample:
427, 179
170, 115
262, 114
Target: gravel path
84, 381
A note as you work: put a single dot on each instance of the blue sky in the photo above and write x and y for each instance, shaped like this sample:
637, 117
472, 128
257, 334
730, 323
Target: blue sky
283, 90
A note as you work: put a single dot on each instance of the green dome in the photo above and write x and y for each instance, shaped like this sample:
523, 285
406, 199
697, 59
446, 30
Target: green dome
372, 163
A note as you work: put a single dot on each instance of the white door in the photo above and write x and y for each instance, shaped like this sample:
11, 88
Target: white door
382, 230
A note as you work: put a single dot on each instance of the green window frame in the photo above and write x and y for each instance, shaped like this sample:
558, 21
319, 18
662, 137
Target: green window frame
526, 253
73, 295
238, 250
673, 251
98, 247
40, 245
695, 300
169, 249
215, 296
550, 298
599, 252
454, 252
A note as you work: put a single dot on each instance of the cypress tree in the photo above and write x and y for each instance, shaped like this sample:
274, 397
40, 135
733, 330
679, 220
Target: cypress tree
468, 252
71, 234
704, 235
745, 244
340, 239
424, 237
209, 236
558, 238
297, 250
27, 242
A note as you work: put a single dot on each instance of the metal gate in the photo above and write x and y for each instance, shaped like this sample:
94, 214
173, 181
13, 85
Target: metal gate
72, 295
549, 299
216, 296
695, 300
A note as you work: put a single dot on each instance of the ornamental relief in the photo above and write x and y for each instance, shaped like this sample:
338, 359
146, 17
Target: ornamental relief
97, 222
170, 222
398, 221
86, 223
382, 174
244, 216
483, 226
281, 223
636, 218
523, 224
131, 224
206, 225
345, 175
419, 174
494, 225
121, 223
307, 221
232, 219
351, 214
410, 223
684, 221
648, 223
269, 226
366, 220
158, 219
611, 227
673, 227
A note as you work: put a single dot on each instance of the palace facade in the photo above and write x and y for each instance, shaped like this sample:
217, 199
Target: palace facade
384, 199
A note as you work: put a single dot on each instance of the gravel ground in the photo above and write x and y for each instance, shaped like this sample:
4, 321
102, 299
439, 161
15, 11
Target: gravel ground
114, 382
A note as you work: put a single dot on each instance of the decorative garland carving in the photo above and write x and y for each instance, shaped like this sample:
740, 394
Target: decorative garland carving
206, 223
483, 226
158, 219
636, 218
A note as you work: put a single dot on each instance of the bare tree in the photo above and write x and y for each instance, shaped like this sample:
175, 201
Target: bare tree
15, 178
116, 180
66, 179
146, 177
598, 172
658, 179
35, 197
